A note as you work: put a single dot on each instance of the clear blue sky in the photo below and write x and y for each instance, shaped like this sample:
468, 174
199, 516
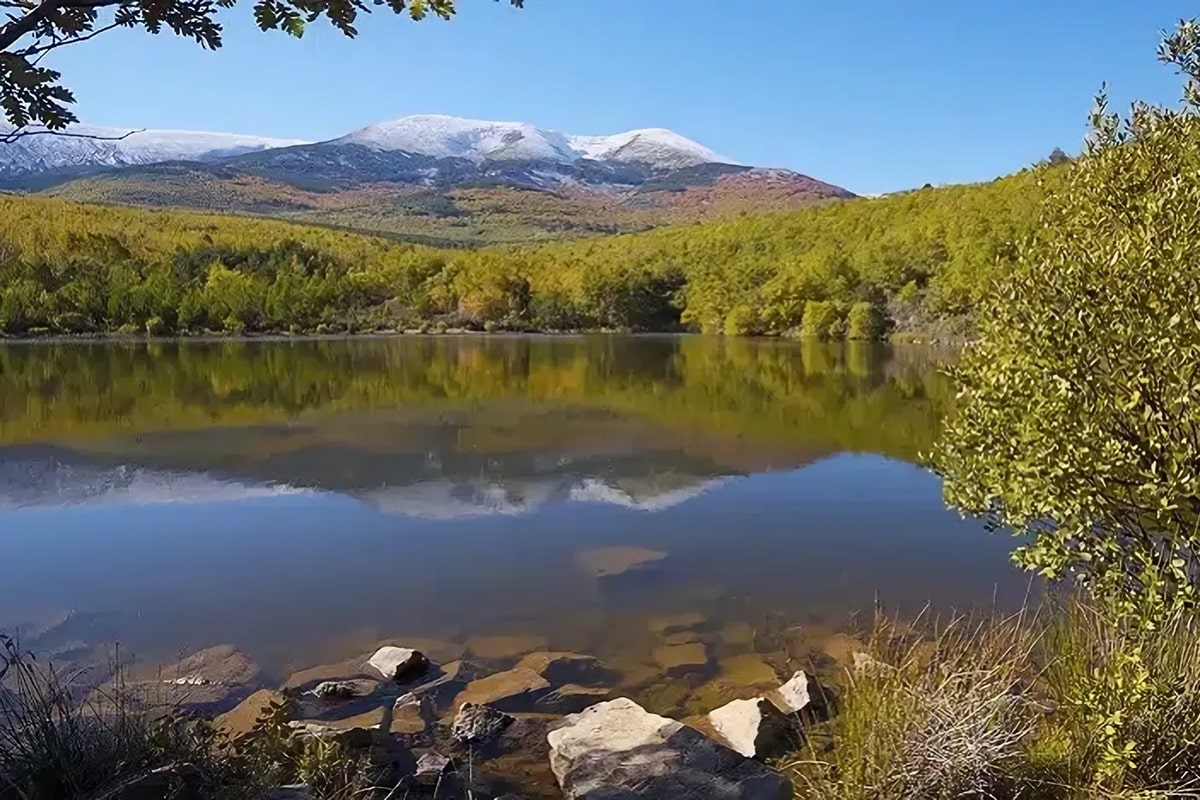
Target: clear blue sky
874, 96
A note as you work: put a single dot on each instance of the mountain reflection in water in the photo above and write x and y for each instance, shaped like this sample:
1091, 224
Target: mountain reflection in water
302, 500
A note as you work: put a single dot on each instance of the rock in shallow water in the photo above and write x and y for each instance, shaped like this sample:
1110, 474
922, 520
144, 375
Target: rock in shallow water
616, 749
755, 728
476, 724
795, 695
513, 690
677, 659
399, 664
431, 767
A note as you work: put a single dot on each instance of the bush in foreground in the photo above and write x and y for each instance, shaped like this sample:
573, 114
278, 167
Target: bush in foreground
1077, 703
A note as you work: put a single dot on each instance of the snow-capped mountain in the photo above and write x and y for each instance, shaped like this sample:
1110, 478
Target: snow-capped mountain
413, 174
418, 140
92, 146
34, 479
477, 141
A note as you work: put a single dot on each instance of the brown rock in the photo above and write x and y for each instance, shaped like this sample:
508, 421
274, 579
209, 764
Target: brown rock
689, 620
350, 669
681, 658
603, 562
411, 714
511, 690
498, 647
243, 719
563, 668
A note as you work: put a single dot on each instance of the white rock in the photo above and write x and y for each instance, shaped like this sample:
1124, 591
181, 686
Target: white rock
618, 749
399, 664
794, 696
755, 728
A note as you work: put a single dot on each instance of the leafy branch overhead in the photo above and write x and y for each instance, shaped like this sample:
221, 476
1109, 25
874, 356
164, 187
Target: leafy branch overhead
32, 94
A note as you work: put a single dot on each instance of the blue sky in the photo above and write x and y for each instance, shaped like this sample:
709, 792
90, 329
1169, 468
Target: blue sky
874, 96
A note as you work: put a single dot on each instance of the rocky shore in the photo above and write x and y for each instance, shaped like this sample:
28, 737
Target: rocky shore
505, 717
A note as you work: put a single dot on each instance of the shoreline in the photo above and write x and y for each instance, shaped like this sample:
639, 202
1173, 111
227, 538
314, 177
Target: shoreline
210, 337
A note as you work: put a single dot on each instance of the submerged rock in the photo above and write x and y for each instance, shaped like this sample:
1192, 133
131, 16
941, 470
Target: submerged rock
677, 623
211, 681
571, 698
244, 718
399, 664
431, 767
411, 714
681, 658
516, 689
500, 647
755, 728
616, 749
344, 690
476, 724
604, 562
564, 668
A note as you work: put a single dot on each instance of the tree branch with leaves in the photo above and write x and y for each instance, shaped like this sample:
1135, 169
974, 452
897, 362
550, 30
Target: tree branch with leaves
33, 97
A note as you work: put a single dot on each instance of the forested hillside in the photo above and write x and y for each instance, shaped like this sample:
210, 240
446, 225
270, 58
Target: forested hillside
911, 263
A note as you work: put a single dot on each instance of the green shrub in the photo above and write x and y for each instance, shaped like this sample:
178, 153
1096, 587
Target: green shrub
865, 321
821, 320
741, 321
1077, 422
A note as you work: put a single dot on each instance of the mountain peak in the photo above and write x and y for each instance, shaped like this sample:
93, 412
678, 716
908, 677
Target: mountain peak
442, 136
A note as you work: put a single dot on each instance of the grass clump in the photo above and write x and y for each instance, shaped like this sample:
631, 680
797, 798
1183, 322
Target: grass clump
936, 717
1128, 691
60, 739
1078, 702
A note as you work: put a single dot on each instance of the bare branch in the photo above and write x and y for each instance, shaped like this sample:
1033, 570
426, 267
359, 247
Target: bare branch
41, 49
21, 133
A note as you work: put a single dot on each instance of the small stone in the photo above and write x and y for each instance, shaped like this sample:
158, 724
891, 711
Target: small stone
431, 767
476, 724
343, 690
755, 728
683, 637
399, 664
681, 658
793, 696
411, 714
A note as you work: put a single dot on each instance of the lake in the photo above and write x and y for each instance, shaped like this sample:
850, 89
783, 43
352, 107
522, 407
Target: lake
304, 500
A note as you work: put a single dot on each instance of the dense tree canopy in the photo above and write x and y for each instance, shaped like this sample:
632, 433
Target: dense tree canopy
1079, 420
31, 94
911, 263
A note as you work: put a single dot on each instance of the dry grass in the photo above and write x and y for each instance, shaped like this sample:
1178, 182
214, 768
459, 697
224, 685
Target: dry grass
943, 716
1074, 703
62, 740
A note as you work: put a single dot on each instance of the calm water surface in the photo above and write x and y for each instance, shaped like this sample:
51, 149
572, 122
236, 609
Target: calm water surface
303, 500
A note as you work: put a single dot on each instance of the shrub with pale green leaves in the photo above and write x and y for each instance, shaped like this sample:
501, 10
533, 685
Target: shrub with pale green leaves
1078, 421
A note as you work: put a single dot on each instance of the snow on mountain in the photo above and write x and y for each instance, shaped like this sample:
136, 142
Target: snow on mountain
656, 146
45, 151
478, 140
37, 482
